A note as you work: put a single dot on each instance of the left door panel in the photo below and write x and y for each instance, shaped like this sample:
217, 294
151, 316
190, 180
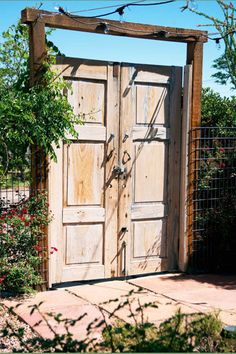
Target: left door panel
82, 190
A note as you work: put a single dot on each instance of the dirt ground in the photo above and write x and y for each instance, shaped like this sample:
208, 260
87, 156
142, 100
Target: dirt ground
6, 319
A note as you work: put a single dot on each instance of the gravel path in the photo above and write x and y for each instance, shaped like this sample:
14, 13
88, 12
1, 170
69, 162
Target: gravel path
7, 344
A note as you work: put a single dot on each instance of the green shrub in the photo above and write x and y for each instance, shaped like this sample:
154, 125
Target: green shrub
217, 111
181, 333
21, 240
20, 277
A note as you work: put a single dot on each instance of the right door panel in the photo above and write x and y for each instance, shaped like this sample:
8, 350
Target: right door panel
150, 121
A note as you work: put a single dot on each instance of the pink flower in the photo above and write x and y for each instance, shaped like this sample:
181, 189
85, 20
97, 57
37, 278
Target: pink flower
53, 249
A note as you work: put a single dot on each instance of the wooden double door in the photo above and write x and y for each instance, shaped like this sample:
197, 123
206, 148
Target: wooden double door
114, 191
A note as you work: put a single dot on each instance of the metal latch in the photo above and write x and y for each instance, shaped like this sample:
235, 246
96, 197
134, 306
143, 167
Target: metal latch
118, 171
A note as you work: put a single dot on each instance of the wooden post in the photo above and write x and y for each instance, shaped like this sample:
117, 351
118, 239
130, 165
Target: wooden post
37, 49
183, 227
37, 55
194, 57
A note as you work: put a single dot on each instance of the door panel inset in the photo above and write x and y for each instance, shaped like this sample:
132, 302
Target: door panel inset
84, 244
85, 174
147, 238
152, 104
92, 94
149, 172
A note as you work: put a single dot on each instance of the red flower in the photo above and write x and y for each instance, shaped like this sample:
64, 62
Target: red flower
222, 150
27, 223
221, 164
24, 210
2, 279
37, 248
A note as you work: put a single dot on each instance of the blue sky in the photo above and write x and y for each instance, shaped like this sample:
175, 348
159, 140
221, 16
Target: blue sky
86, 45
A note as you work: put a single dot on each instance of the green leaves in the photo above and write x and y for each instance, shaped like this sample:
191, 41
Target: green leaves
216, 110
225, 26
21, 232
39, 115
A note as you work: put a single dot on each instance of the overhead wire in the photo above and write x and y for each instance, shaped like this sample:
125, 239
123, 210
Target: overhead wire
120, 10
154, 3
106, 27
104, 7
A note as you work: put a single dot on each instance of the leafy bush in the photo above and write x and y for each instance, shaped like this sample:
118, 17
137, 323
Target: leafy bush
38, 115
181, 333
217, 111
215, 180
21, 239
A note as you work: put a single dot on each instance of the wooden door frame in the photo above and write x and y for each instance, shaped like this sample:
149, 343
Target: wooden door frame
37, 20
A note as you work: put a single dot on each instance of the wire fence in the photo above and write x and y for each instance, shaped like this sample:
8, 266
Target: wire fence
212, 245
21, 178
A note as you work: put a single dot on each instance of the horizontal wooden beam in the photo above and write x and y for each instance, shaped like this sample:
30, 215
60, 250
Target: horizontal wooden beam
116, 28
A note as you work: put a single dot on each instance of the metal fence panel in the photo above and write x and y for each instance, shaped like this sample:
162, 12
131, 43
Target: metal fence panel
214, 199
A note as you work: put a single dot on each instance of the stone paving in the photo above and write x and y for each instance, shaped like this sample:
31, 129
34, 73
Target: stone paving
198, 293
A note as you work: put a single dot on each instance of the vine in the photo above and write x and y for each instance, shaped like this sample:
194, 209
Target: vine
38, 115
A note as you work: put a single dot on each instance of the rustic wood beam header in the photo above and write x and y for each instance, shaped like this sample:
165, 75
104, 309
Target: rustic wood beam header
116, 28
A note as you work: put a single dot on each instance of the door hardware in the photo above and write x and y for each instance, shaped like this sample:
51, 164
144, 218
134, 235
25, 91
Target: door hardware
111, 137
123, 259
109, 156
126, 157
124, 229
125, 137
118, 171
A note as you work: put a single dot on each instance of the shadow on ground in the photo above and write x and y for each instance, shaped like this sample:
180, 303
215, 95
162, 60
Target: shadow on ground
224, 281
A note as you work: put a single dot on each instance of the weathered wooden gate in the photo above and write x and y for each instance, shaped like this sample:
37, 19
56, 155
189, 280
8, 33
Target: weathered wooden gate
116, 189
114, 192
